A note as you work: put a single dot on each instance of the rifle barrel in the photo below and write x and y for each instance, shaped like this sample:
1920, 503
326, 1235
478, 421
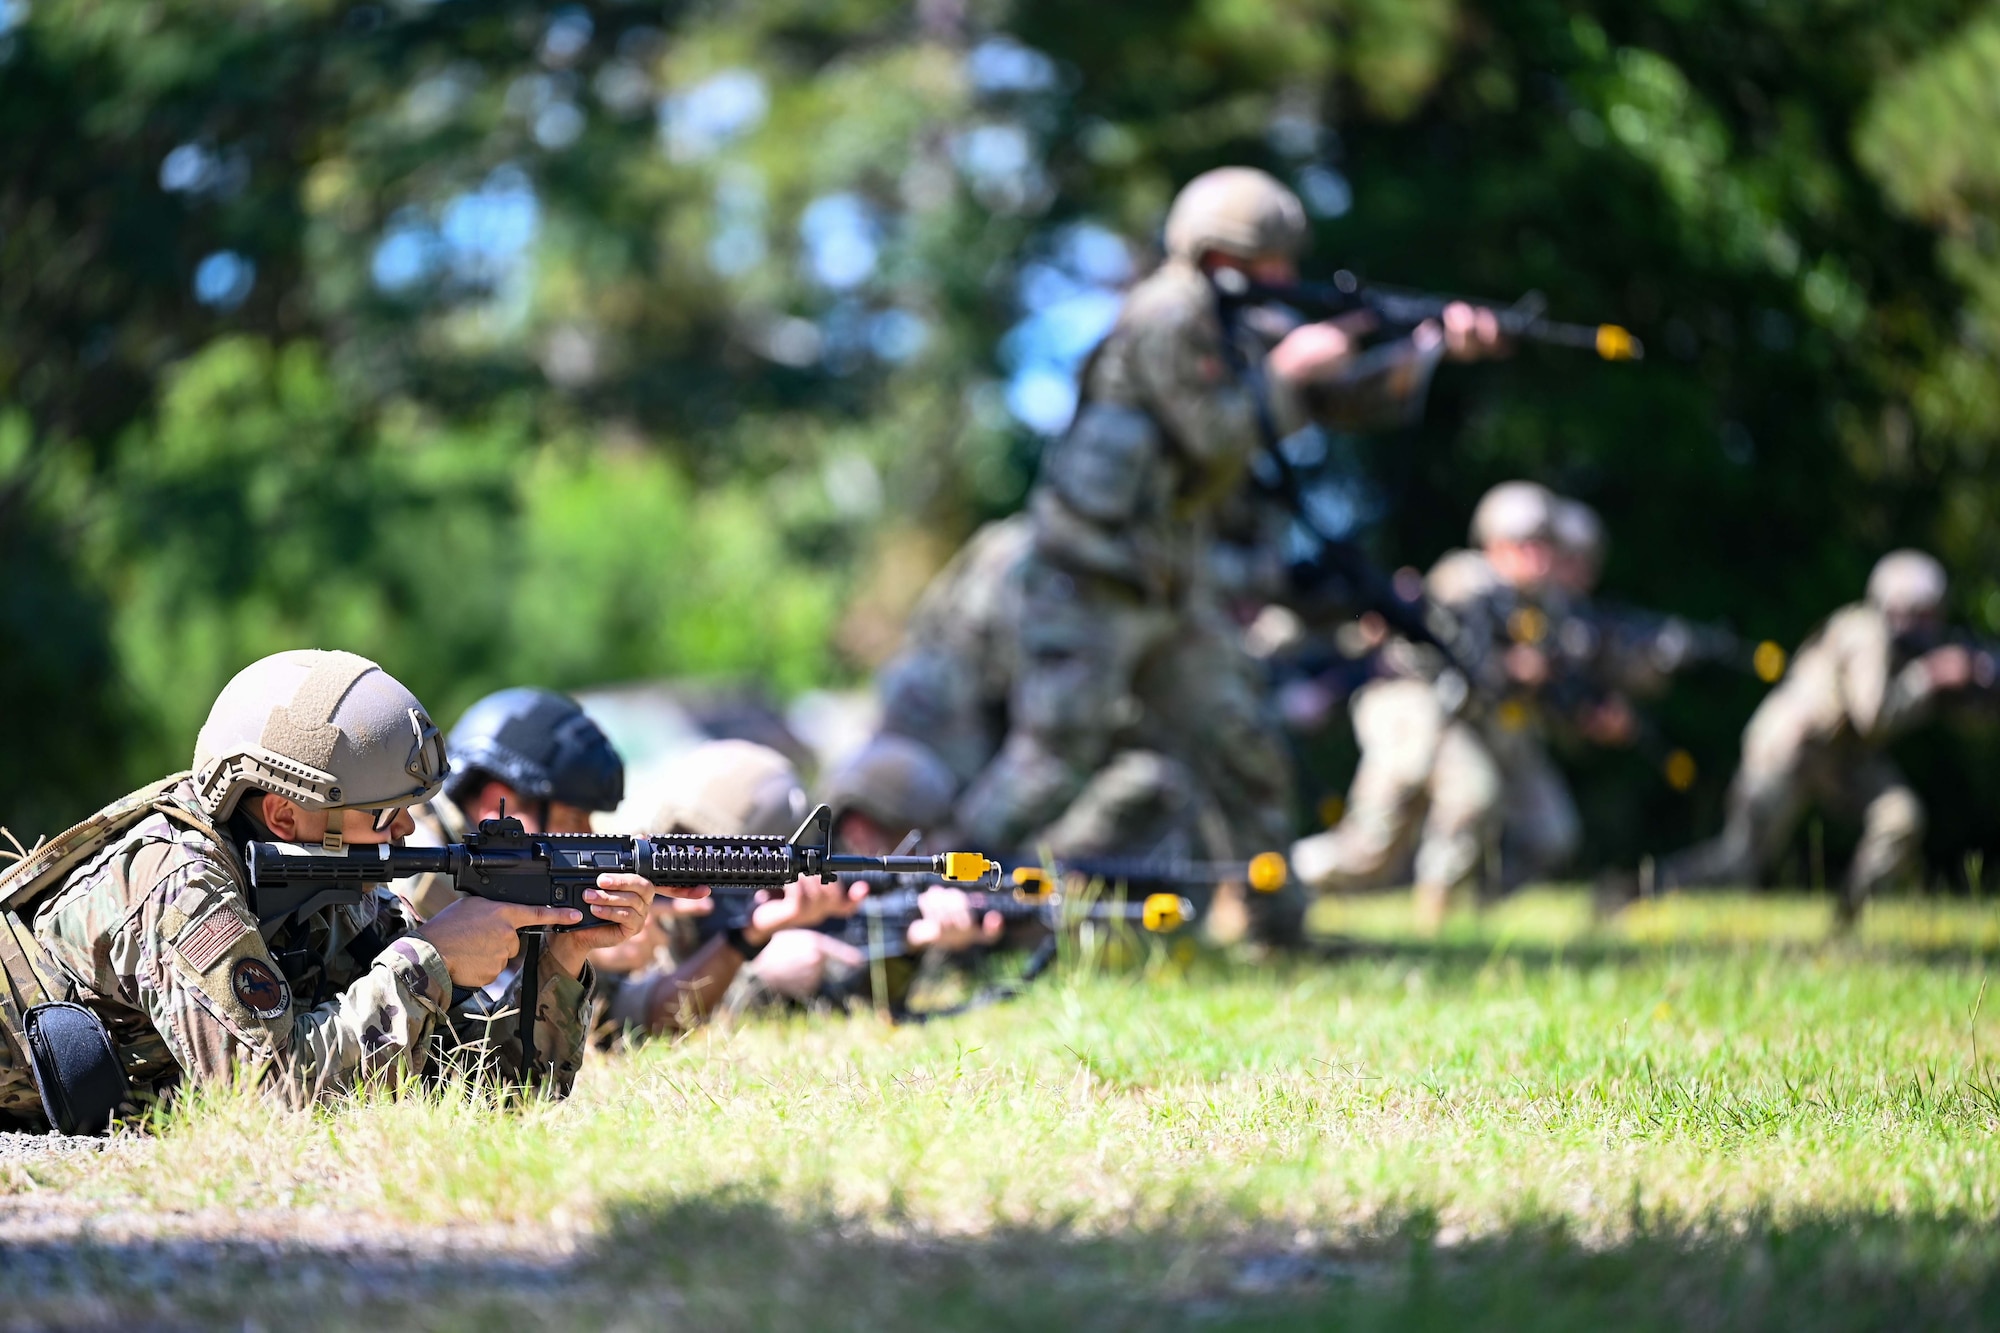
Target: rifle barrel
1405, 310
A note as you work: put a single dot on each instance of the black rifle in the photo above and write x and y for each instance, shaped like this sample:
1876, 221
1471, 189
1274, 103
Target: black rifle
1267, 872
1588, 648
1982, 687
1158, 894
1595, 639
1399, 310
880, 926
502, 861
884, 918
1335, 561
1341, 560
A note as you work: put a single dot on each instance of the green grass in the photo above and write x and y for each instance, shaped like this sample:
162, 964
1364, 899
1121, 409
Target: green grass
1708, 1115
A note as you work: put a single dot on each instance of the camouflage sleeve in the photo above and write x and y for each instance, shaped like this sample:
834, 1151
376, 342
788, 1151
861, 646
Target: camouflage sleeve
1862, 655
486, 1030
1907, 701
1382, 387
1630, 663
1210, 414
189, 955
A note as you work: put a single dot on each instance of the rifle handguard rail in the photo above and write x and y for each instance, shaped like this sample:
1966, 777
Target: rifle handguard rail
501, 860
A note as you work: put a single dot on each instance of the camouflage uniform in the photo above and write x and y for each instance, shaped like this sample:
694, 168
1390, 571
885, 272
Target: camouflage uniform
948, 687
156, 935
1117, 621
722, 786
1428, 787
949, 690
1820, 737
1540, 827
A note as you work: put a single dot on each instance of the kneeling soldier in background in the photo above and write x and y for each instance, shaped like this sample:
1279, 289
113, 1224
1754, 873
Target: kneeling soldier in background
1870, 674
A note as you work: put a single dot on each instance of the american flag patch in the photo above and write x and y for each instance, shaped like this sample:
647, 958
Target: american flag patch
210, 938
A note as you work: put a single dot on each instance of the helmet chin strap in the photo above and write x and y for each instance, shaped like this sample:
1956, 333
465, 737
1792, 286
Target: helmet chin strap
335, 837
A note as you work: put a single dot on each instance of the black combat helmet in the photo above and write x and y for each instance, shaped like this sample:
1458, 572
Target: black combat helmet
541, 744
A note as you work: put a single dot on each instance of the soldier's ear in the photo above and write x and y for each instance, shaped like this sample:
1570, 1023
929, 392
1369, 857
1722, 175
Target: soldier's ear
281, 817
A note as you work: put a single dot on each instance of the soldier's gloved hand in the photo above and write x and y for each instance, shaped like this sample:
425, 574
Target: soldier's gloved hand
623, 902
805, 902
946, 922
477, 936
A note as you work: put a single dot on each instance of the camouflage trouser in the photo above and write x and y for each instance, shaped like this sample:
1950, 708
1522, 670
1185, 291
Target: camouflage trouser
1427, 788
20, 1103
1540, 827
1098, 662
932, 697
1773, 790
1139, 804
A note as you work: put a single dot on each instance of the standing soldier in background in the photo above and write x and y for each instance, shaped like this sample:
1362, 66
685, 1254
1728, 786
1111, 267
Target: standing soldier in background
947, 688
1116, 619
1867, 676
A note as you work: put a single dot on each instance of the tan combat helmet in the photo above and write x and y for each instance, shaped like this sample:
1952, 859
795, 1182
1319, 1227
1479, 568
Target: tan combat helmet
730, 787
1238, 211
1907, 583
899, 783
1580, 542
1515, 511
1579, 531
326, 730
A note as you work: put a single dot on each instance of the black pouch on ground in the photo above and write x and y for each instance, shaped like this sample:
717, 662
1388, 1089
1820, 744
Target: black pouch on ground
77, 1070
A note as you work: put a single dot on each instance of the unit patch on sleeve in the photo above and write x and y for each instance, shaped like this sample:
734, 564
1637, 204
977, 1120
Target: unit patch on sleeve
260, 989
210, 938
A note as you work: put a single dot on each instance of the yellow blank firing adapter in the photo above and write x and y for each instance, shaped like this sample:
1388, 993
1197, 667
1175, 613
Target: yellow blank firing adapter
1768, 662
1163, 912
1616, 344
1680, 770
967, 867
1268, 872
1032, 881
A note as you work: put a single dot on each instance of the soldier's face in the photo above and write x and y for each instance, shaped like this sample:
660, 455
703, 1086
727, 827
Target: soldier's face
293, 823
1522, 564
1273, 270
1916, 629
1576, 573
535, 816
858, 835
566, 818
1277, 270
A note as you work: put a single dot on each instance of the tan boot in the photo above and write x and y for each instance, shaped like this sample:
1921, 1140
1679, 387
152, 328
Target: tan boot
1432, 903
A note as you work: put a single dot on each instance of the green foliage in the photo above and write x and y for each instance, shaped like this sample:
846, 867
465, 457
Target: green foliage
264, 512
